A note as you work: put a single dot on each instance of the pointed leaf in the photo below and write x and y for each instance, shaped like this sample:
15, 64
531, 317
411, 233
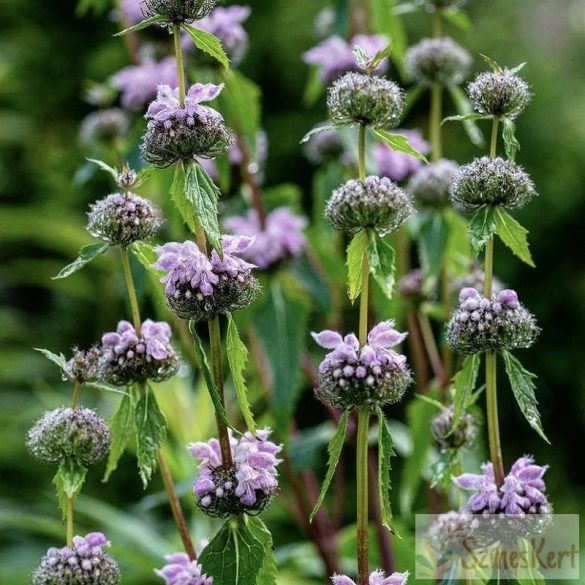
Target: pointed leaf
399, 143
144, 175
384, 53
121, 426
86, 255
105, 167
360, 57
481, 228
511, 144
465, 380
68, 482
56, 359
513, 235
207, 43
432, 242
356, 253
141, 25
382, 261
457, 18
268, 571
491, 63
385, 453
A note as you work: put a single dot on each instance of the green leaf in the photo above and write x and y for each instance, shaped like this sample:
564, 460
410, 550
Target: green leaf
528, 574
511, 144
432, 242
385, 453
105, 167
334, 449
523, 387
144, 175
121, 426
513, 235
356, 253
491, 63
151, 428
465, 380
146, 255
86, 255
237, 354
177, 193
518, 68
466, 114
481, 228
399, 143
68, 482
206, 371
382, 54
56, 359
382, 261
360, 57
238, 553
457, 18
387, 22
443, 468
141, 25
316, 130
207, 43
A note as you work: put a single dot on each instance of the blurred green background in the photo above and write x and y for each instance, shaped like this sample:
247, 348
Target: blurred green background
46, 55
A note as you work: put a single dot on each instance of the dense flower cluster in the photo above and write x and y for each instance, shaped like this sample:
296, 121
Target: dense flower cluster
448, 437
438, 61
124, 218
480, 324
366, 377
398, 165
247, 486
451, 532
83, 563
376, 578
198, 287
63, 434
429, 186
104, 126
334, 56
375, 202
491, 181
280, 238
84, 366
131, 357
474, 277
178, 11
177, 132
357, 98
181, 570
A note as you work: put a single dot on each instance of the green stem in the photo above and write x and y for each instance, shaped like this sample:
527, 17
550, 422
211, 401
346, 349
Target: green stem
437, 23
69, 521
494, 139
362, 496
180, 65
131, 289
75, 396
362, 152
435, 121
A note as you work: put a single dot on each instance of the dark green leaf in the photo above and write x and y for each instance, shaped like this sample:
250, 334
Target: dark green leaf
399, 143
316, 130
356, 254
56, 359
387, 22
237, 354
513, 235
121, 427
141, 25
382, 261
385, 453
207, 43
86, 255
511, 144
432, 242
334, 449
151, 429
269, 571
481, 228
105, 167
466, 115
181, 202
465, 380
523, 387
68, 482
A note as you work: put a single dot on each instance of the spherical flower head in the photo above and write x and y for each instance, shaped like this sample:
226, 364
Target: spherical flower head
178, 11
126, 178
130, 358
411, 285
177, 132
480, 324
84, 366
247, 486
452, 531
122, 219
82, 563
473, 278
63, 434
280, 239
375, 202
376, 578
357, 98
181, 570
395, 165
365, 377
491, 181
438, 61
104, 126
499, 93
429, 186
325, 146
138, 83
198, 287
448, 438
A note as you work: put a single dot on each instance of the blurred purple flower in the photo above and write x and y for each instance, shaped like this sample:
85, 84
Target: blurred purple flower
181, 570
399, 165
132, 12
376, 578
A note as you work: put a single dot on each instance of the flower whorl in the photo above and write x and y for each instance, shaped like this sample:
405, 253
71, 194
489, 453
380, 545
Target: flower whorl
429, 186
181, 570
377, 577
448, 437
178, 11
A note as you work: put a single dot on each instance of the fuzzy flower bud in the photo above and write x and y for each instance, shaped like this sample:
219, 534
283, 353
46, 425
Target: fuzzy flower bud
499, 93
181, 570
463, 434
429, 186
104, 126
69, 433
122, 219
177, 132
375, 203
130, 357
82, 563
325, 146
481, 324
365, 377
198, 287
126, 178
376, 578
357, 98
247, 486
178, 11
438, 61
487, 181
84, 366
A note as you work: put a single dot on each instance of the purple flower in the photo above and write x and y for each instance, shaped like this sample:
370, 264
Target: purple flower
181, 570
399, 165
132, 12
376, 578
139, 83
281, 238
325, 146
246, 486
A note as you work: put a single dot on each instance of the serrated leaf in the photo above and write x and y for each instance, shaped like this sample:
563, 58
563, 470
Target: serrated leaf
399, 143
207, 43
141, 25
464, 380
385, 453
511, 144
105, 167
334, 450
68, 482
481, 228
121, 426
382, 262
523, 387
56, 359
316, 130
356, 254
466, 114
513, 235
86, 255
432, 243
237, 354
151, 429
268, 571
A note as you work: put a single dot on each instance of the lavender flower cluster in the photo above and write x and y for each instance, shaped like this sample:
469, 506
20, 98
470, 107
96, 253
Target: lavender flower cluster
376, 578
84, 366
429, 186
181, 570
447, 437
